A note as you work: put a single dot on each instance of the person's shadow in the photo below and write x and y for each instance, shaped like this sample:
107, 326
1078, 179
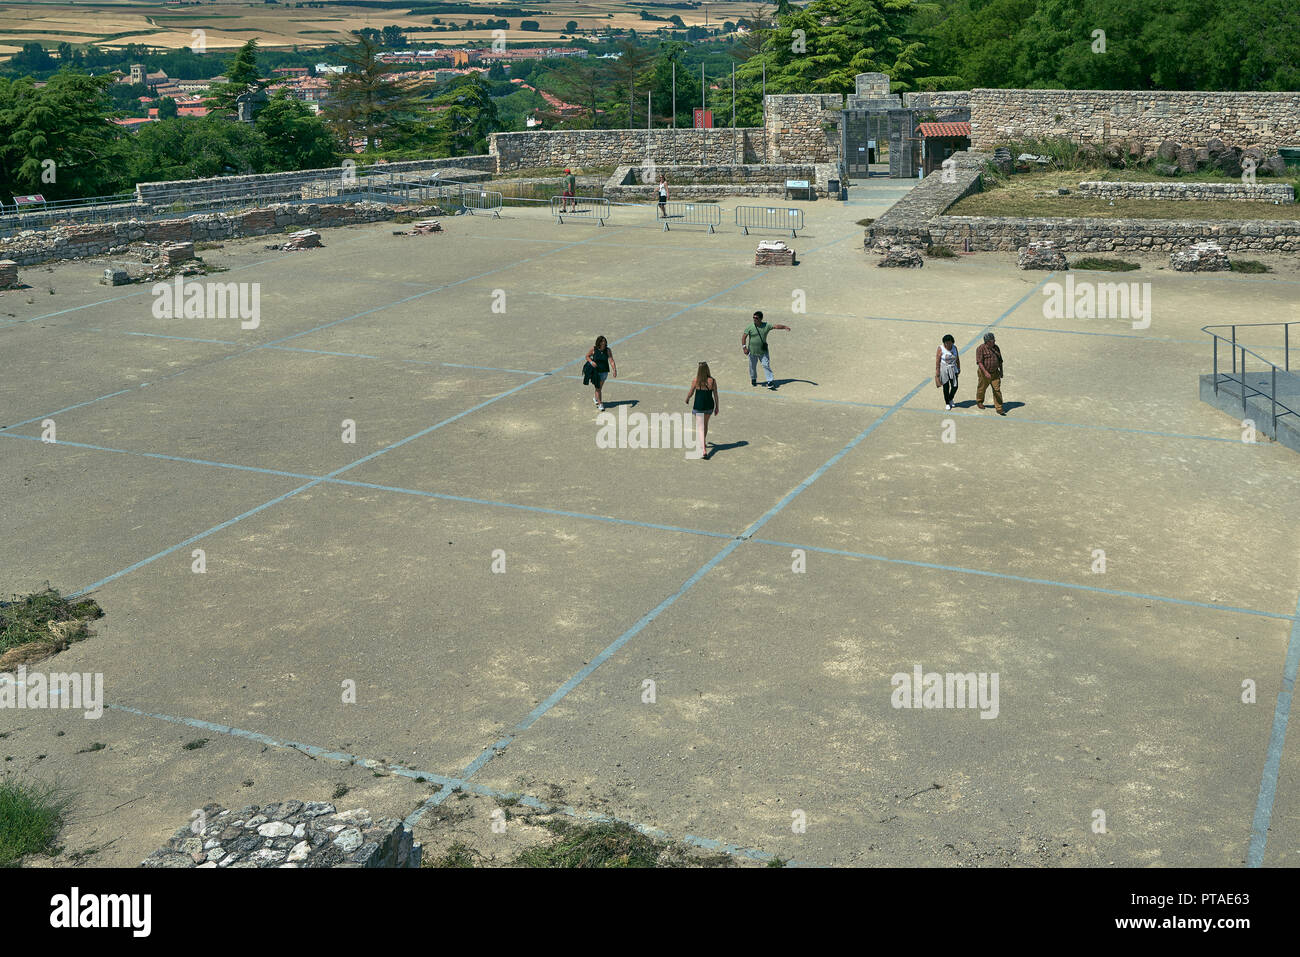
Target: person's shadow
777, 383
715, 448
617, 402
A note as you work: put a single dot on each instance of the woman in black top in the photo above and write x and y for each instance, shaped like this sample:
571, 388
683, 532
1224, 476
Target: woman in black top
601, 357
705, 390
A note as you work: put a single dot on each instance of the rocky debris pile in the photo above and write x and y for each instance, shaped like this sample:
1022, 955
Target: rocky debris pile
302, 239
1200, 257
8, 274
1002, 160
116, 276
1173, 157
425, 227
1042, 254
175, 253
904, 257
773, 252
291, 834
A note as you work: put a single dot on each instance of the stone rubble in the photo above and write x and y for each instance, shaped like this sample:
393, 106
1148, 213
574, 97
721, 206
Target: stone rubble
1200, 257
1041, 255
290, 834
8, 274
773, 252
904, 257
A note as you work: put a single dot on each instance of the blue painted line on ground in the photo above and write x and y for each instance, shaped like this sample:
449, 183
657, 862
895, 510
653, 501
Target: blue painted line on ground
191, 540
158, 455
563, 513
69, 408
503, 743
373, 455
1273, 756
541, 510
958, 569
159, 335
278, 342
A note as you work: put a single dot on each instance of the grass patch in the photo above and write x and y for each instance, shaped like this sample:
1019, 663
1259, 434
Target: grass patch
940, 252
1248, 265
865, 222
31, 817
1107, 265
1035, 194
41, 624
609, 845
96, 746
195, 744
458, 856
1018, 200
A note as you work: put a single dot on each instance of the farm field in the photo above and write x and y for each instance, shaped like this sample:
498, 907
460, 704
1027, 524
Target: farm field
228, 25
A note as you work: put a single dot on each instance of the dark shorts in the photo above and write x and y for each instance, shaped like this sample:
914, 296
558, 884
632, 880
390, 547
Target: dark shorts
663, 200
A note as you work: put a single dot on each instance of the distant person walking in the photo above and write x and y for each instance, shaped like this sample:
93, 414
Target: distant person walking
600, 358
988, 357
663, 196
570, 200
704, 388
947, 366
753, 343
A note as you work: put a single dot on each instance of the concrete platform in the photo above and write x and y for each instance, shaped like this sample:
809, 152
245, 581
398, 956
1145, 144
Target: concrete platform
1264, 398
499, 590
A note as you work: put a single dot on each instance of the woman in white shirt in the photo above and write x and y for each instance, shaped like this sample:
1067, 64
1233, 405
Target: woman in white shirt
947, 366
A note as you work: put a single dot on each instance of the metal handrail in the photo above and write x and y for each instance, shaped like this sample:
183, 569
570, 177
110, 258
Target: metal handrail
1273, 366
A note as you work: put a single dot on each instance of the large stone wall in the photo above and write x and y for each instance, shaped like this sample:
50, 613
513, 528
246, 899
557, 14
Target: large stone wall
803, 128
1098, 117
1260, 192
637, 183
1005, 234
77, 242
238, 187
582, 148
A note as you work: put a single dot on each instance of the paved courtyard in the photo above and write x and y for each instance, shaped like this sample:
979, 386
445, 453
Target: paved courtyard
500, 592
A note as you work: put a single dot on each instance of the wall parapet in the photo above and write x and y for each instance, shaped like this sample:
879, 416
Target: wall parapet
1260, 192
1145, 117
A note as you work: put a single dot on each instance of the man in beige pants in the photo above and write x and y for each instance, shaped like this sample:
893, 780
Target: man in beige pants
988, 361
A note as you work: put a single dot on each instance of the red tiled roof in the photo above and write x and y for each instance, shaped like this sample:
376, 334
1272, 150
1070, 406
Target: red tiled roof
944, 129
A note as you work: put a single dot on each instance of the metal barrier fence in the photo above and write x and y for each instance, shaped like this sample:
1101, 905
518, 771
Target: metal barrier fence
580, 207
691, 214
1268, 373
769, 217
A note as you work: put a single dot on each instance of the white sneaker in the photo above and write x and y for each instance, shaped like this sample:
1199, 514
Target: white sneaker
600, 407
595, 402
948, 407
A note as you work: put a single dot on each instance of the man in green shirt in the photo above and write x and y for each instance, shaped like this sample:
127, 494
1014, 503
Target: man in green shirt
570, 191
753, 343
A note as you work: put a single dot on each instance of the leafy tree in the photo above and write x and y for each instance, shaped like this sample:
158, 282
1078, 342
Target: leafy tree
661, 82
242, 76
57, 140
582, 81
496, 72
393, 37
369, 104
31, 58
464, 116
194, 149
628, 71
531, 25
294, 137
571, 26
